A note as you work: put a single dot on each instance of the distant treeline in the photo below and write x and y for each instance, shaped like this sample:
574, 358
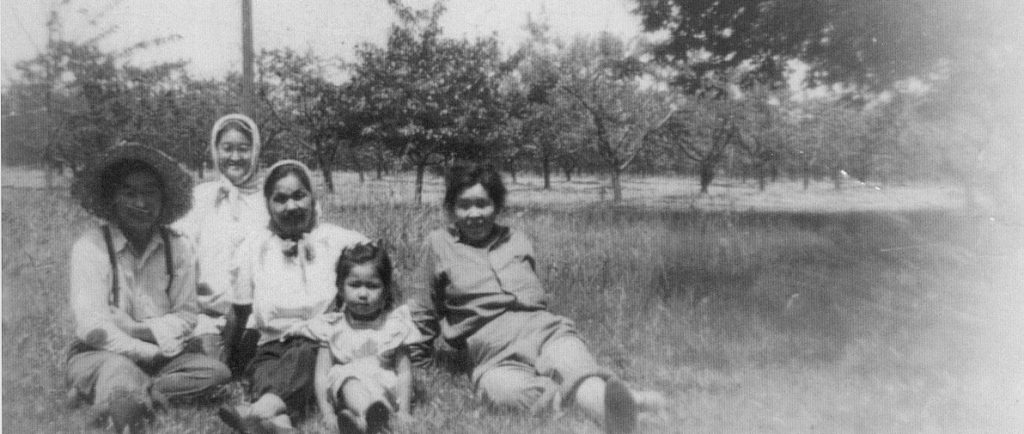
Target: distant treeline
554, 107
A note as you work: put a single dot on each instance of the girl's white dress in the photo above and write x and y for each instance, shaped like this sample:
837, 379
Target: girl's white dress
364, 350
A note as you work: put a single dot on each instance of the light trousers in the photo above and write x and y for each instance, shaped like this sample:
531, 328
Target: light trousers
530, 361
95, 375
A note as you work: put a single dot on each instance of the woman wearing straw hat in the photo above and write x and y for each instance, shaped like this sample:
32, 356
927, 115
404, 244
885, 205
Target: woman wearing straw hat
223, 213
133, 291
287, 274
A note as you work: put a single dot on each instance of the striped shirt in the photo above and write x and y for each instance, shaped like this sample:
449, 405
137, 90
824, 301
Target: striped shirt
458, 288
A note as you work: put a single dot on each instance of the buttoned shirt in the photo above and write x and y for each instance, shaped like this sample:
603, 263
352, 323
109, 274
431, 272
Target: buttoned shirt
168, 311
220, 219
286, 291
458, 288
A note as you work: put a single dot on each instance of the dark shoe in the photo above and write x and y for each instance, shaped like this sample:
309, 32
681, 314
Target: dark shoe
377, 417
129, 411
619, 408
348, 422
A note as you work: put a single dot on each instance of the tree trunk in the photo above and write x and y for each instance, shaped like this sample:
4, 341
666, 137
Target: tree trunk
356, 164
760, 177
512, 172
326, 169
380, 167
616, 185
837, 180
707, 173
49, 176
807, 176
568, 173
546, 168
421, 167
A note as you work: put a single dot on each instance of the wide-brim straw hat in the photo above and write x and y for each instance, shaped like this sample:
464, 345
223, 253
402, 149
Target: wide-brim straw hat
93, 190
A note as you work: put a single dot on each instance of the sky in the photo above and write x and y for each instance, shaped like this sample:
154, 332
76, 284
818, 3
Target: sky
210, 30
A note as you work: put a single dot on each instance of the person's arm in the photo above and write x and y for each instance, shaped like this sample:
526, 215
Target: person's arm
423, 306
320, 383
403, 370
240, 349
133, 328
90, 286
172, 329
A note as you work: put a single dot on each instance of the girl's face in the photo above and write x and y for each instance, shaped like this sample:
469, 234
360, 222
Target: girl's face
138, 201
474, 214
291, 206
363, 290
234, 156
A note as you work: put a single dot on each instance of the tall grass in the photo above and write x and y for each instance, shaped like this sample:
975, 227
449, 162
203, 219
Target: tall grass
748, 322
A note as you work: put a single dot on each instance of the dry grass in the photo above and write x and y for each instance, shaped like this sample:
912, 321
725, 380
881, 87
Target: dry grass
767, 321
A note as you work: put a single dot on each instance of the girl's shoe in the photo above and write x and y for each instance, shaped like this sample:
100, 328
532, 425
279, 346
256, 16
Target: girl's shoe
377, 416
620, 408
349, 423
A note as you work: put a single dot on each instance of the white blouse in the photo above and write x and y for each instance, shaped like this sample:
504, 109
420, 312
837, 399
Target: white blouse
220, 219
286, 291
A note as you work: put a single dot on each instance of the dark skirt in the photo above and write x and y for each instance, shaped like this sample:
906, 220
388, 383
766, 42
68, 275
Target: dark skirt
286, 369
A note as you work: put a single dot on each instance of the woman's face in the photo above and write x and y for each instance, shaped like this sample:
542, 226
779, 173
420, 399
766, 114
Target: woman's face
291, 206
234, 156
138, 201
474, 214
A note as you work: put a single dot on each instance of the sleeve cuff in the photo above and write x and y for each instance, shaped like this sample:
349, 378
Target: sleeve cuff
169, 333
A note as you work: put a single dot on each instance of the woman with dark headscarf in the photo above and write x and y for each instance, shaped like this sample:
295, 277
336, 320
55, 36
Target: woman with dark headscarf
223, 212
287, 274
133, 290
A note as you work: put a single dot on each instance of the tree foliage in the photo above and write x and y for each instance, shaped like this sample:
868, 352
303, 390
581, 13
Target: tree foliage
432, 98
605, 82
870, 44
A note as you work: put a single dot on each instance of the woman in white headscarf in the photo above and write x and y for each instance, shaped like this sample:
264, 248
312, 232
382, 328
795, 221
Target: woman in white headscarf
287, 274
223, 212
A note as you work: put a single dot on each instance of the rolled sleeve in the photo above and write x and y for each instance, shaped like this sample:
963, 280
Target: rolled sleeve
424, 290
173, 329
90, 288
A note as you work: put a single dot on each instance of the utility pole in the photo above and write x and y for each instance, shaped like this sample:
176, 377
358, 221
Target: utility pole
50, 152
248, 85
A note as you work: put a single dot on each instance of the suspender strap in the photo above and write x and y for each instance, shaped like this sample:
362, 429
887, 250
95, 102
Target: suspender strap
168, 258
115, 287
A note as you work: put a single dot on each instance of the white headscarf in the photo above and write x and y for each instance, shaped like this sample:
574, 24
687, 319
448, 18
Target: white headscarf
250, 184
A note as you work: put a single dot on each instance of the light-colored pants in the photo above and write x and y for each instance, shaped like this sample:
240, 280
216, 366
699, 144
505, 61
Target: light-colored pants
530, 361
97, 374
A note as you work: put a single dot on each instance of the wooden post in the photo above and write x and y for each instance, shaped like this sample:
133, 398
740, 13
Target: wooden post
248, 102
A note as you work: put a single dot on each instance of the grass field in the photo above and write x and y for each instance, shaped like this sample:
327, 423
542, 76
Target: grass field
864, 310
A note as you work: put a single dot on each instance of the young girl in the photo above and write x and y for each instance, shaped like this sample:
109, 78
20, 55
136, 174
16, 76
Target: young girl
363, 370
